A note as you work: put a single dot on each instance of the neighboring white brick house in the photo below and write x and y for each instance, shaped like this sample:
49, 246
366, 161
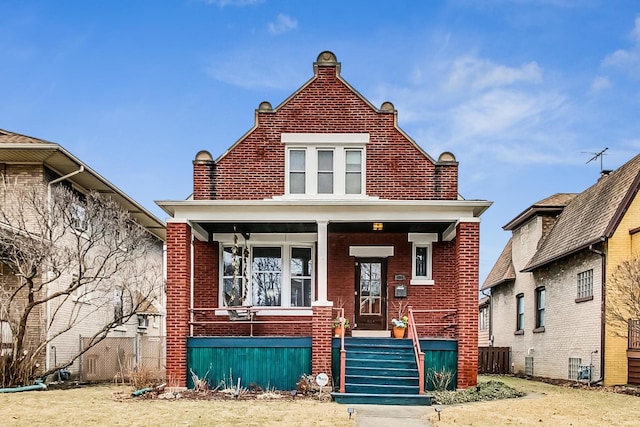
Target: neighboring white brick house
548, 347
554, 290
26, 161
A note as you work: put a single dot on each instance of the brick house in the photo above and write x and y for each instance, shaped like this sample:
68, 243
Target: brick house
64, 323
325, 204
552, 290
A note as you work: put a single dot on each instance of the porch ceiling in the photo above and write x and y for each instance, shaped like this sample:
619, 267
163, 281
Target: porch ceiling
334, 227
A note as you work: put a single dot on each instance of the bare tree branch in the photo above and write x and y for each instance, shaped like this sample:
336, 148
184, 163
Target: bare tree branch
68, 255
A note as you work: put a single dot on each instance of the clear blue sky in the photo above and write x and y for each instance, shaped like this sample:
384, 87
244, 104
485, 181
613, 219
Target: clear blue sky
521, 91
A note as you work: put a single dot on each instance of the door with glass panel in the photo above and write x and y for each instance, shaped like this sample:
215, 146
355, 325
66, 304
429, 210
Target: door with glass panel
371, 294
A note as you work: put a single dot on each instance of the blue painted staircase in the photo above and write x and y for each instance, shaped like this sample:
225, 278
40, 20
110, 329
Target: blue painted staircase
381, 371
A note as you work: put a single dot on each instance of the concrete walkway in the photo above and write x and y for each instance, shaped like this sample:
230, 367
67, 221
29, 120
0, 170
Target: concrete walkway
391, 415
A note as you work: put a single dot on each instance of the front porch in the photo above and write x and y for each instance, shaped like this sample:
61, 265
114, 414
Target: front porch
251, 354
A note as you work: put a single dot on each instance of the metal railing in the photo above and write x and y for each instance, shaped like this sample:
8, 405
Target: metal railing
417, 351
247, 314
343, 352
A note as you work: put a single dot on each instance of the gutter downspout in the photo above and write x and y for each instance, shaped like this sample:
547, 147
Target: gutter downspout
47, 362
490, 316
603, 305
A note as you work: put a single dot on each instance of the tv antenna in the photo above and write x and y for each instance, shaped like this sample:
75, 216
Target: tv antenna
596, 156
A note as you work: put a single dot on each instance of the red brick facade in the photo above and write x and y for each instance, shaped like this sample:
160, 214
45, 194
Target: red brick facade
467, 259
178, 288
396, 170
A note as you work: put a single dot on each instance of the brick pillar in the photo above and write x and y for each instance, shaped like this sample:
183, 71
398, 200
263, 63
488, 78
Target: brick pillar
446, 177
178, 288
467, 260
204, 169
321, 334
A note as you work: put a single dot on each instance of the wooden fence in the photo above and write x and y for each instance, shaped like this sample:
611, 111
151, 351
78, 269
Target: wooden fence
494, 360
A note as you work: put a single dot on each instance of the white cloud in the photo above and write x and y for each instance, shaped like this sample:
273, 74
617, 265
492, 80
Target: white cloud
627, 59
239, 3
635, 33
475, 106
478, 74
283, 24
600, 84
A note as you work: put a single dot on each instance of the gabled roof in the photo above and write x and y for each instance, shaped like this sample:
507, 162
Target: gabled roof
18, 148
552, 205
502, 271
591, 217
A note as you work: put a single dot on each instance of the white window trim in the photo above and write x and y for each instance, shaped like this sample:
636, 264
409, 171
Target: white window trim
339, 143
285, 241
422, 240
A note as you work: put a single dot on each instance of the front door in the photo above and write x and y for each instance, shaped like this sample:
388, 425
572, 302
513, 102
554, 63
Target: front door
371, 293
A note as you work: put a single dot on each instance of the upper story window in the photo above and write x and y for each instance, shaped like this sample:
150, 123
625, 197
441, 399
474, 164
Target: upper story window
540, 307
519, 312
297, 171
79, 217
325, 164
422, 259
585, 285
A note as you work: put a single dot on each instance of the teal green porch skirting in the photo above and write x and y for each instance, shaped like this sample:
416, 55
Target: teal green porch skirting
440, 356
264, 362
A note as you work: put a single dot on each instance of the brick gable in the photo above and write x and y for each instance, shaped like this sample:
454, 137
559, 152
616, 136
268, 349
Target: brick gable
396, 168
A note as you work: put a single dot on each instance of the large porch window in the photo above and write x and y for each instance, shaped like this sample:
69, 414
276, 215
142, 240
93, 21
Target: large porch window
275, 276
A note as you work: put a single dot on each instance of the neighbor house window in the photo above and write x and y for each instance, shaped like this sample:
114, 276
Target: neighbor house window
6, 338
574, 367
520, 312
422, 248
325, 164
482, 320
79, 217
585, 284
540, 303
528, 365
118, 306
270, 276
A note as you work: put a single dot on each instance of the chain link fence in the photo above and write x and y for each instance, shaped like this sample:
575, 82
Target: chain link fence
116, 358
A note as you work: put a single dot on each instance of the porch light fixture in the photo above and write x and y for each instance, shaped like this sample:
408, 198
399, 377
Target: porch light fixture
377, 226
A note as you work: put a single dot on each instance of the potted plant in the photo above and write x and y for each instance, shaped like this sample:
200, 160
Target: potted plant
336, 325
400, 323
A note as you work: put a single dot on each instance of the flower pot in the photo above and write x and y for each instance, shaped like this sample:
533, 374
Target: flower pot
398, 332
337, 332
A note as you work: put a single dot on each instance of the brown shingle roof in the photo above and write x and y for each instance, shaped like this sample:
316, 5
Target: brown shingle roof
502, 270
16, 138
552, 205
591, 216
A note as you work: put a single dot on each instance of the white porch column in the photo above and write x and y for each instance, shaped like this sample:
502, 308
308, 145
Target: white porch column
322, 260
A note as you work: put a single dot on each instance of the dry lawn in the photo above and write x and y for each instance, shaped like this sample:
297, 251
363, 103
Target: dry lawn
104, 406
545, 405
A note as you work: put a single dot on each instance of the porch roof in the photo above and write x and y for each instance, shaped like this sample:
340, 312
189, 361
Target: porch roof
288, 215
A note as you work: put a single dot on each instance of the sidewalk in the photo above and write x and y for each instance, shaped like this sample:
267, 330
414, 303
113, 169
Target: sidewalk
391, 415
